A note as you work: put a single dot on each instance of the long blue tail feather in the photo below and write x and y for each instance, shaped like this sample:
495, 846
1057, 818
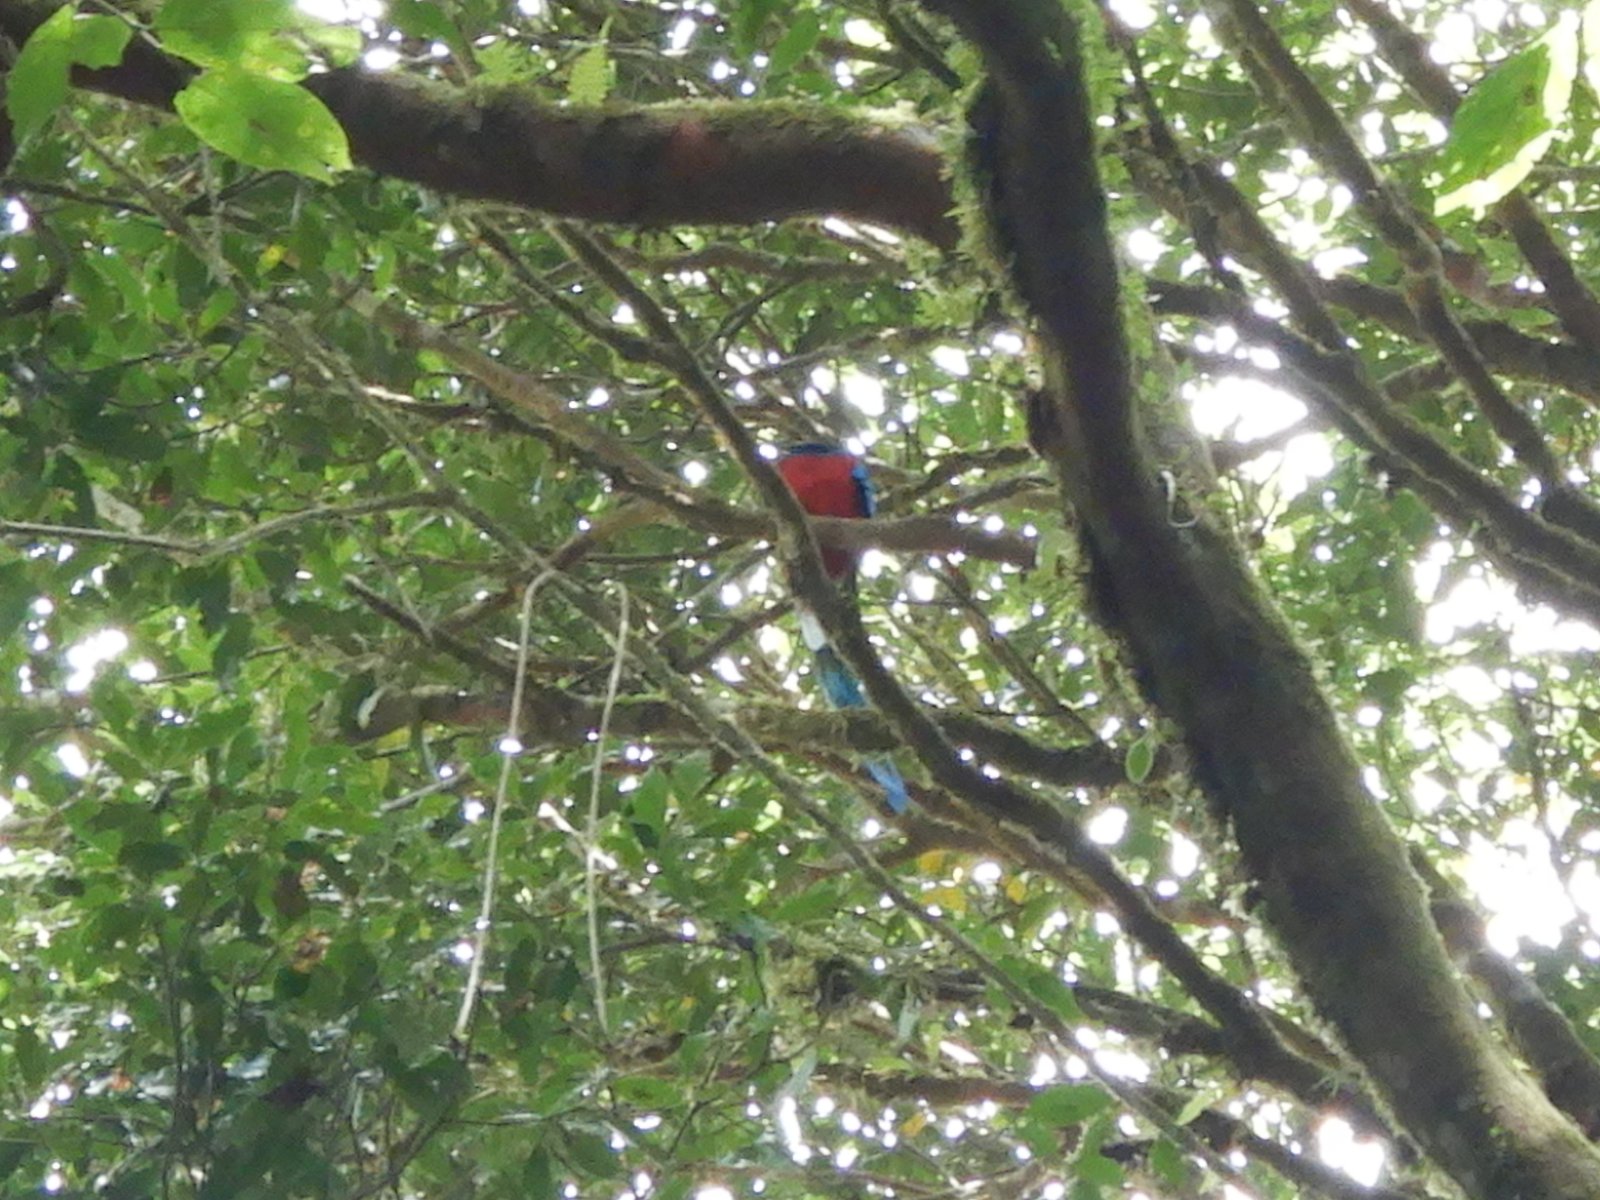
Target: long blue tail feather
894, 787
843, 691
838, 685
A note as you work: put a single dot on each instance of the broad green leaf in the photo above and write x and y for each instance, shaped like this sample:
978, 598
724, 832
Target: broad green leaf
13, 1153
264, 123
1508, 121
1167, 1161
122, 435
424, 19
590, 1154
1067, 1104
1095, 1172
16, 598
647, 807
32, 1059
814, 903
1045, 986
589, 82
797, 42
37, 83
340, 45
538, 1179
149, 859
249, 35
748, 19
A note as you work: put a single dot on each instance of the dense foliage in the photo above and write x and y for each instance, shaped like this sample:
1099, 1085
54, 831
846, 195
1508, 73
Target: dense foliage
313, 479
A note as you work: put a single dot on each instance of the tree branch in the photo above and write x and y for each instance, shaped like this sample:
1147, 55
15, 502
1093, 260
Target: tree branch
736, 164
1336, 884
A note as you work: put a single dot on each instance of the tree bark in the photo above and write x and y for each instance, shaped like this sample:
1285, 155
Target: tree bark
1214, 656
667, 164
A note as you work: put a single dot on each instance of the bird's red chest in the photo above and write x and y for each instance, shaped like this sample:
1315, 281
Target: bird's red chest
824, 484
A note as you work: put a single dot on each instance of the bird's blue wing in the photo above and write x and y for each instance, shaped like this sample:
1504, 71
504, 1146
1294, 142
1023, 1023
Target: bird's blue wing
866, 494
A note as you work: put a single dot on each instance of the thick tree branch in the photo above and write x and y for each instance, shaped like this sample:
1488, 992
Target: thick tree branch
1268, 750
1541, 1031
735, 164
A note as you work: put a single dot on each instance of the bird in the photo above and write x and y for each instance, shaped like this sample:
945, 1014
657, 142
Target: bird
831, 482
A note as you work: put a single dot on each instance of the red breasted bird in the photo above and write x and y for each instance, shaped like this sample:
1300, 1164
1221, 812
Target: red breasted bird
829, 482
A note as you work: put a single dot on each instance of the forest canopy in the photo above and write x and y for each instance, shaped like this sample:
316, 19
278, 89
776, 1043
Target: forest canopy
415, 781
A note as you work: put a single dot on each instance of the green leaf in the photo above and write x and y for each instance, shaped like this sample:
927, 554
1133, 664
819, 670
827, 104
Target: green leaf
37, 84
647, 807
424, 19
232, 647
591, 1154
221, 304
817, 902
32, 1060
1196, 1104
1141, 757
16, 598
13, 1153
1067, 1104
435, 1085
690, 774
1044, 984
264, 123
797, 42
122, 435
1508, 121
149, 859
748, 20
209, 589
1091, 1168
1166, 1160
538, 1179
241, 34
589, 82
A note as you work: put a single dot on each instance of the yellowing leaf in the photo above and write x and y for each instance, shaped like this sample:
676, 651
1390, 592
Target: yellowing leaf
1016, 889
914, 1124
950, 899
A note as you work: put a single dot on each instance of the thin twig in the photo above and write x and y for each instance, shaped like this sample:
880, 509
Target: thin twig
592, 833
509, 749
